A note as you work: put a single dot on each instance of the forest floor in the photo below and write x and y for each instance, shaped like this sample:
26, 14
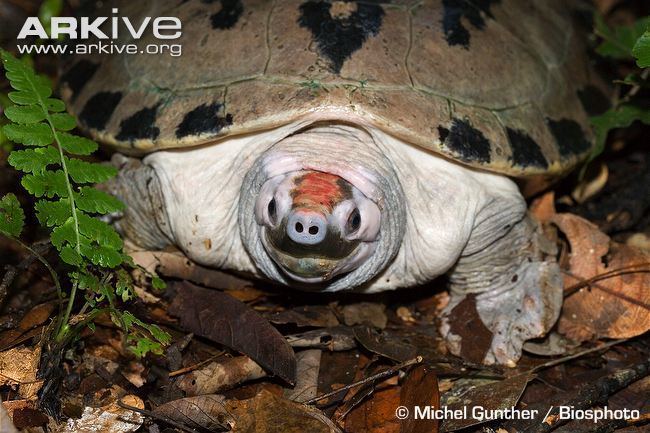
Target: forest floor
266, 359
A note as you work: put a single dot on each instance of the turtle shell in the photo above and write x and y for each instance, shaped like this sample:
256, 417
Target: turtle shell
504, 85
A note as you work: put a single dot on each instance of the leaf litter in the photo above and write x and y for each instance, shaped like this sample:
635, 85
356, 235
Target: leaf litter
239, 344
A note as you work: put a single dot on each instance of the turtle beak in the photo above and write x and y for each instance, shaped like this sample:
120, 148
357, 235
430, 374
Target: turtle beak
309, 221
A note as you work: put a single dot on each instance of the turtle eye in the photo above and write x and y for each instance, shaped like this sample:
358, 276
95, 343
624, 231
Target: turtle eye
354, 222
271, 208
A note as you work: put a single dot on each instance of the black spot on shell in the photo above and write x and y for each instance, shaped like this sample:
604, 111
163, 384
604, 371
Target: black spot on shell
593, 100
455, 11
229, 14
443, 133
569, 136
525, 151
140, 125
78, 75
466, 142
203, 119
337, 38
99, 109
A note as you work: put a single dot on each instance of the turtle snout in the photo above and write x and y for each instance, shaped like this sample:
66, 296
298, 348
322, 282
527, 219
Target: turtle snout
306, 228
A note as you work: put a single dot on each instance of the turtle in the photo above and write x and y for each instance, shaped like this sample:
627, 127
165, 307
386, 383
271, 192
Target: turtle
352, 145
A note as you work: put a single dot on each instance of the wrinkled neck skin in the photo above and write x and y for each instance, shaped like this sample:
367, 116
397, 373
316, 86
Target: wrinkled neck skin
429, 206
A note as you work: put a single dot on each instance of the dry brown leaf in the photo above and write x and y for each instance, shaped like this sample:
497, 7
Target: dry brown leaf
134, 373
269, 413
334, 339
376, 414
205, 411
543, 208
365, 313
108, 419
491, 396
465, 321
420, 388
6, 424
614, 307
306, 376
28, 417
34, 317
320, 316
219, 376
225, 320
176, 265
18, 367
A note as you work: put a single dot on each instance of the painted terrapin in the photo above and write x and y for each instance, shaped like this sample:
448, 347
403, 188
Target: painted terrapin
352, 144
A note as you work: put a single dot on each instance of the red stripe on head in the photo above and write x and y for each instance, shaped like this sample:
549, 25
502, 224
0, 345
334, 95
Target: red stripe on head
319, 191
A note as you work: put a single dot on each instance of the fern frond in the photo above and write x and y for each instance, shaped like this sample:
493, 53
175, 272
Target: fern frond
54, 174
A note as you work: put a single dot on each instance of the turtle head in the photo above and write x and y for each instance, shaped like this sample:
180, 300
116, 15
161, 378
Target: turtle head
316, 225
322, 220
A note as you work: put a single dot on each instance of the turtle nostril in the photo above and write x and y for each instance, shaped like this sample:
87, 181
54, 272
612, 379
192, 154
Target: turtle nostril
306, 228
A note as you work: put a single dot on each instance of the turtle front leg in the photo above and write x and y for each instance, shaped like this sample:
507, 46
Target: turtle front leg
516, 283
144, 220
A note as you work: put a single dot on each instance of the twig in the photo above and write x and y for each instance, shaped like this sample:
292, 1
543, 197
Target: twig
37, 251
622, 423
608, 290
635, 88
630, 269
575, 355
388, 372
195, 366
594, 393
155, 416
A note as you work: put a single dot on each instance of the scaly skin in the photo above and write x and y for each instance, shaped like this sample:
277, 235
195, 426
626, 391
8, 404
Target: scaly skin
421, 216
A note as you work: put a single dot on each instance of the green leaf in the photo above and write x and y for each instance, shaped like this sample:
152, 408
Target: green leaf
124, 285
158, 283
48, 183
63, 121
34, 160
70, 256
76, 145
64, 234
99, 232
619, 41
85, 172
158, 333
95, 201
144, 345
22, 77
25, 113
87, 281
101, 255
620, 117
55, 105
12, 217
53, 213
23, 97
35, 134
641, 50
